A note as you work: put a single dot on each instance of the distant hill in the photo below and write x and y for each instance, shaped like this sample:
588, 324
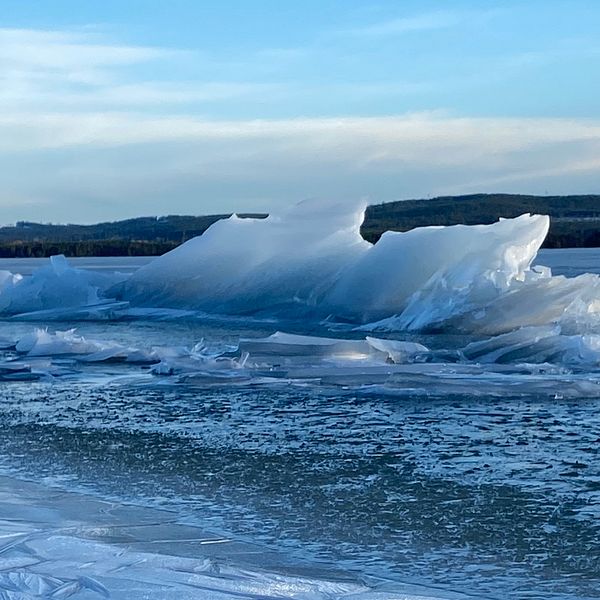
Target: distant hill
575, 222
142, 236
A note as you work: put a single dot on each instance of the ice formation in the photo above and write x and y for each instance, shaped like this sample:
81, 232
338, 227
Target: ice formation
310, 263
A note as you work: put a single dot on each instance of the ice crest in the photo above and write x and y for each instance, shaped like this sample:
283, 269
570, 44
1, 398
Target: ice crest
310, 263
284, 263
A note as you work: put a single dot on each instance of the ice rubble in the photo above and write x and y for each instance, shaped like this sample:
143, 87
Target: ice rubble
290, 357
310, 262
536, 360
515, 363
41, 354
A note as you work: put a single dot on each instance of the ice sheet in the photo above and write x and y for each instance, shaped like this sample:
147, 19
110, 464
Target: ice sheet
55, 544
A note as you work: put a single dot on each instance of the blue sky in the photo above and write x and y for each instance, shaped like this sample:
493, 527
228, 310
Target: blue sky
115, 109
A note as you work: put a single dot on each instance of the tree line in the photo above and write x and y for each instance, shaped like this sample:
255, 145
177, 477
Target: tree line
574, 223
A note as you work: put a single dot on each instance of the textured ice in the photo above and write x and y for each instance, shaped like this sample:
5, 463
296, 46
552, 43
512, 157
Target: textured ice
527, 361
289, 357
57, 285
66, 545
309, 263
311, 260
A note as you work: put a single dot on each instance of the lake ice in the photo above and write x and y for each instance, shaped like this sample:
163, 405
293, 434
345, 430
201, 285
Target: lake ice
414, 418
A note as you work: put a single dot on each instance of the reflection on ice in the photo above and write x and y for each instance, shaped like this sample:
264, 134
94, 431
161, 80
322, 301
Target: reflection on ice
65, 545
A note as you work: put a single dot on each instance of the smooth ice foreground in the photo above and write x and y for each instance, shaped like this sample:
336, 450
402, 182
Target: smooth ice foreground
59, 545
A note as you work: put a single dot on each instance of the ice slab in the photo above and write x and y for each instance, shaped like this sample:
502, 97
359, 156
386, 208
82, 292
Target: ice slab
312, 261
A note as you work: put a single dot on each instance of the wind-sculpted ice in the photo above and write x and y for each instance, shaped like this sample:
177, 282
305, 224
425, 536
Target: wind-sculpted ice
310, 263
284, 264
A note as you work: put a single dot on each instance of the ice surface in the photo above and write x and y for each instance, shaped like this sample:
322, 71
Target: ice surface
66, 545
309, 263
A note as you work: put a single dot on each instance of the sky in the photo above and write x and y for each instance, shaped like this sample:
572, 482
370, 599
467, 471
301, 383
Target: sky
117, 109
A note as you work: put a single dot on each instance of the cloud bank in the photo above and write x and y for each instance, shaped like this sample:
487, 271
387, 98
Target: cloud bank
83, 138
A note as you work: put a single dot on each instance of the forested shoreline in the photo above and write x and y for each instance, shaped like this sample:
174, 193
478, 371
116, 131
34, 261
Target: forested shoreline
575, 223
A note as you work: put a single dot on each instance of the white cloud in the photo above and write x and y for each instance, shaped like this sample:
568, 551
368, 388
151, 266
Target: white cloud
82, 139
414, 136
125, 164
67, 51
427, 21
66, 71
398, 26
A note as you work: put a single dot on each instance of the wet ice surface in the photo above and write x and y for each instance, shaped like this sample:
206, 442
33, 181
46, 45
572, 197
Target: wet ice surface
56, 544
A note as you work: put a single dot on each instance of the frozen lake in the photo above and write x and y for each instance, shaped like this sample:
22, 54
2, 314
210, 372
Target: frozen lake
313, 474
